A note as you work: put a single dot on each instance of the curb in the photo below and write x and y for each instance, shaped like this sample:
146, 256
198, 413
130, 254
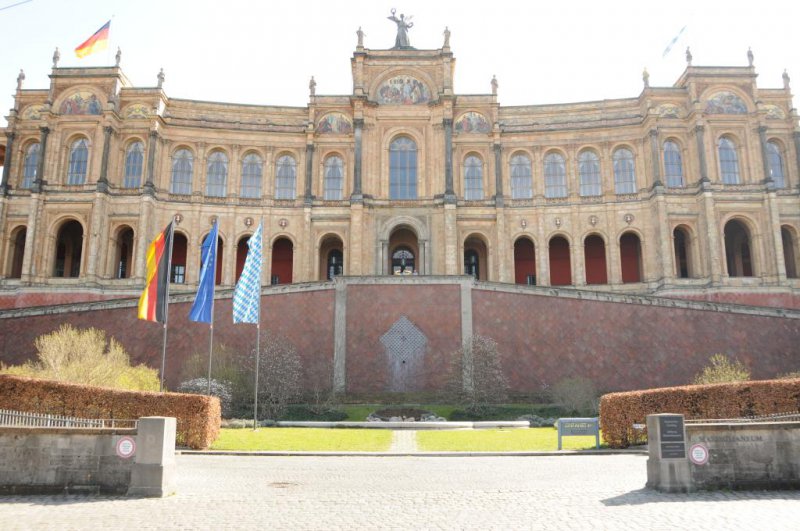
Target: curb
561, 453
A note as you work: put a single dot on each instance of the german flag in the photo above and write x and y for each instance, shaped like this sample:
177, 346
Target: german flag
95, 43
153, 302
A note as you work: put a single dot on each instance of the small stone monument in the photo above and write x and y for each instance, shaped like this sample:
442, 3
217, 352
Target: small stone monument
688, 56
118, 57
646, 78
494, 85
56, 57
20, 79
312, 87
160, 78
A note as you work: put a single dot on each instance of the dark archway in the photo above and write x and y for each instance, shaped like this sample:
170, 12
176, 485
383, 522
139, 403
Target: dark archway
179, 247
682, 249
18, 238
524, 262
560, 263
331, 257
241, 255
475, 258
738, 247
282, 261
407, 263
789, 252
594, 256
123, 255
69, 246
220, 255
630, 257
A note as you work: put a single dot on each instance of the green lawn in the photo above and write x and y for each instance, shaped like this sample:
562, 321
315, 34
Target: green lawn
304, 439
500, 440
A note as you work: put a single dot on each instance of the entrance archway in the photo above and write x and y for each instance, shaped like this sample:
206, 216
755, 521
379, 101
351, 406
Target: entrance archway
282, 261
560, 263
683, 261
124, 253
738, 255
594, 256
403, 252
241, 255
17, 252
630, 257
475, 258
331, 257
179, 247
789, 251
69, 245
524, 262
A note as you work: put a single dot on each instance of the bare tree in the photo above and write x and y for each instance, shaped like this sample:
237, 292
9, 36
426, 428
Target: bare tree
476, 378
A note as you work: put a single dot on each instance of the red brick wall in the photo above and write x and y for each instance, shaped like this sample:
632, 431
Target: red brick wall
774, 300
28, 300
625, 346
305, 318
371, 312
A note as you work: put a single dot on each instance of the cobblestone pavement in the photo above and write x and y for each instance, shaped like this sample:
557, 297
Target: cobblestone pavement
554, 492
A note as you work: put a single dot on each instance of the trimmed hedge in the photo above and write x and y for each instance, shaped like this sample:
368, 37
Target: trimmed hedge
198, 417
619, 411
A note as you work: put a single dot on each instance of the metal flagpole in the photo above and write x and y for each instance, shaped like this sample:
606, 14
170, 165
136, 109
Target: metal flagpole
258, 328
166, 301
211, 324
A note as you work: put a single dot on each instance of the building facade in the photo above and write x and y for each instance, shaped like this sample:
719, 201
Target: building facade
682, 190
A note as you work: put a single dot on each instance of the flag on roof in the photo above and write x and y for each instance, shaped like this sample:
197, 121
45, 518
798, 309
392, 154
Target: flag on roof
153, 302
672, 42
203, 307
247, 295
95, 43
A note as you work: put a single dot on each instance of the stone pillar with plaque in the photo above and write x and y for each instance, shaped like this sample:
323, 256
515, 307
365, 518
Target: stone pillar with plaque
668, 463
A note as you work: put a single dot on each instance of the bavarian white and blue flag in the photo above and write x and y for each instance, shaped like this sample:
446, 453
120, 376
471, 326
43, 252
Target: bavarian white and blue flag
247, 295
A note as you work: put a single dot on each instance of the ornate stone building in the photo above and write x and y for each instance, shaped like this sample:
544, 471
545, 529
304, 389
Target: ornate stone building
687, 190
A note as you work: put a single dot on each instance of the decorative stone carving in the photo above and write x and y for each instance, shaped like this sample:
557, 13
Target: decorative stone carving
334, 123
774, 112
403, 25
668, 110
82, 102
725, 102
403, 90
472, 122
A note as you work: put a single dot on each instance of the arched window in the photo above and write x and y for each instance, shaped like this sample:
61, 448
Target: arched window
217, 174
555, 176
252, 170
589, 173
78, 161
402, 169
334, 264
624, 172
69, 246
334, 178
775, 161
285, 177
728, 161
134, 161
182, 166
403, 261
473, 178
30, 165
673, 165
124, 253
521, 180
472, 263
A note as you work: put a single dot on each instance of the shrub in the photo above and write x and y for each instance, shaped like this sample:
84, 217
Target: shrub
721, 369
85, 357
198, 417
789, 375
479, 384
619, 411
577, 395
280, 372
199, 386
229, 367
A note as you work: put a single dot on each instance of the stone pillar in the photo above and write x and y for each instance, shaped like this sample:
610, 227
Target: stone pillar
340, 336
452, 259
699, 133
498, 174
96, 233
143, 235
797, 150
153, 472
716, 253
667, 462
38, 184
762, 138
28, 255
665, 240
654, 154
383, 267
149, 185
466, 333
102, 181
578, 263
357, 196
7, 165
308, 197
449, 193
422, 259
355, 253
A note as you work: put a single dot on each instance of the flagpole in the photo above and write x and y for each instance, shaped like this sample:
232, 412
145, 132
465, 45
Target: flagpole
258, 327
211, 324
166, 302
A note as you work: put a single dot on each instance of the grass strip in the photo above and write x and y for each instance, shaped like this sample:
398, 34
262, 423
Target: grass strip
304, 440
500, 440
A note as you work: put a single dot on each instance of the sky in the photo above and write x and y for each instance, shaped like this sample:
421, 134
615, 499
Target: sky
265, 52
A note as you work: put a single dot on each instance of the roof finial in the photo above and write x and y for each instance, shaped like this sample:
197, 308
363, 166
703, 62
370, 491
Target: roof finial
646, 78
161, 77
688, 57
56, 57
20, 79
312, 86
494, 85
785, 79
360, 38
446, 37
118, 57
749, 56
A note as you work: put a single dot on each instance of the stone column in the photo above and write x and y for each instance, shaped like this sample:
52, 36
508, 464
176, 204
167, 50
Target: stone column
149, 185
7, 166
452, 260
762, 138
654, 154
384, 258
102, 181
699, 133
466, 333
665, 248
797, 150
578, 266
716, 253
308, 197
153, 471
422, 262
357, 196
498, 174
449, 193
28, 255
340, 336
96, 232
38, 184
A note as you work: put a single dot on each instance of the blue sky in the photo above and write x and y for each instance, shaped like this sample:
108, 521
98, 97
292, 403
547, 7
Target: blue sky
265, 52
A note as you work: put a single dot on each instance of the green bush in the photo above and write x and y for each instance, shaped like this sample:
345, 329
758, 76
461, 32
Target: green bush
85, 357
230, 368
789, 375
722, 369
